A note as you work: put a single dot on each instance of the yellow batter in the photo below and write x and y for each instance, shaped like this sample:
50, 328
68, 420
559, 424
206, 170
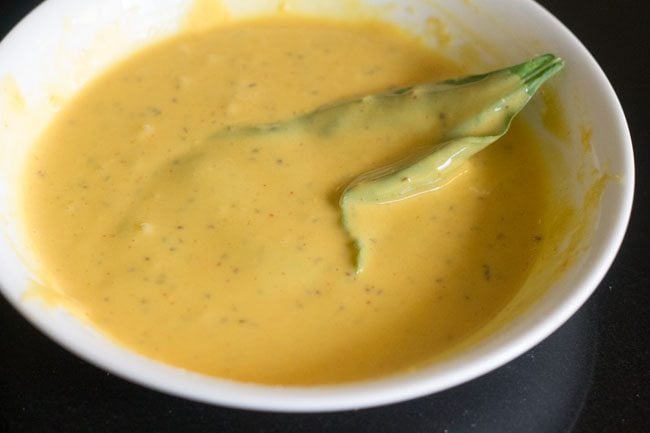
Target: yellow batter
229, 258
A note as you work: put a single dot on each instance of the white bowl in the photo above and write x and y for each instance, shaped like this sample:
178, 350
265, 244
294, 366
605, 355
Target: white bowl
64, 43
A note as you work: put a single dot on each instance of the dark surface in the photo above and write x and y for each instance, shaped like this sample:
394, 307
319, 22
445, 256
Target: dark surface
592, 375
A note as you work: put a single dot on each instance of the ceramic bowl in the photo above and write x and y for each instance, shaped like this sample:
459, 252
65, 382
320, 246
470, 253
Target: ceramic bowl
62, 44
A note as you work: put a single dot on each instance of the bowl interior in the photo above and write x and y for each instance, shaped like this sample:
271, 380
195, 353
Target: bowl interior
64, 43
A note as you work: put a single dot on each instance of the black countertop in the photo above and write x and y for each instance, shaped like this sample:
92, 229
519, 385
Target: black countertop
592, 375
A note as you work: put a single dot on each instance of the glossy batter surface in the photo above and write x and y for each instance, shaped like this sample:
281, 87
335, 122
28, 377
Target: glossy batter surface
227, 257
